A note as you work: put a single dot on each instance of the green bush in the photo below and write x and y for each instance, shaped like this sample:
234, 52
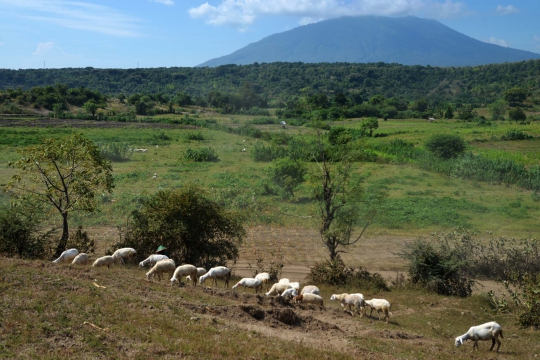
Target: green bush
445, 146
194, 229
438, 266
20, 233
195, 136
116, 151
200, 155
515, 135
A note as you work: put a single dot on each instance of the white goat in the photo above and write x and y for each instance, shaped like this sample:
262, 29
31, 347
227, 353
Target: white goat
278, 288
251, 283
106, 260
220, 272
162, 266
67, 256
289, 293
310, 299
348, 300
487, 331
310, 289
381, 305
200, 272
265, 279
152, 260
124, 254
283, 281
184, 270
81, 259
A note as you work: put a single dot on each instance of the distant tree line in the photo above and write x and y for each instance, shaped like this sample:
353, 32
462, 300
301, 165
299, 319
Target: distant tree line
276, 82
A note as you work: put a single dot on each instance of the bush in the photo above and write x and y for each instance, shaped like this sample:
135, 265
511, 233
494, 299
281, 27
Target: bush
194, 229
81, 241
116, 151
515, 135
287, 174
445, 146
335, 273
195, 136
439, 266
19, 233
201, 155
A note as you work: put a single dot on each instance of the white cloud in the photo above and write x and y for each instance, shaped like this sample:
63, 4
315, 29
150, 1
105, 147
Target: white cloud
242, 13
43, 47
76, 15
500, 42
164, 2
506, 10
536, 38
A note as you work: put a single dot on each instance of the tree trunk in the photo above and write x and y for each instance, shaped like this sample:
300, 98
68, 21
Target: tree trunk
65, 236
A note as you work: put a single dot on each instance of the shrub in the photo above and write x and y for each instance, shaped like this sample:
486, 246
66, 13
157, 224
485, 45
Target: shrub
116, 151
515, 135
438, 266
201, 155
195, 136
445, 146
287, 174
19, 233
335, 273
81, 241
193, 228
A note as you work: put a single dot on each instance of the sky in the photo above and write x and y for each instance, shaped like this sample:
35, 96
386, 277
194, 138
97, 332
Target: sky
185, 33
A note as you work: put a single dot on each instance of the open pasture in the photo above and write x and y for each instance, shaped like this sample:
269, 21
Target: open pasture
137, 319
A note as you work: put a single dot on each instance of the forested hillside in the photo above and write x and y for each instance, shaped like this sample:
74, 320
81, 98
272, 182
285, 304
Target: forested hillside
277, 82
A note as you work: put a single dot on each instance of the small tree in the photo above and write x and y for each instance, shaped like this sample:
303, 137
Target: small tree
91, 107
515, 96
445, 146
497, 109
467, 113
287, 174
65, 174
517, 114
449, 113
370, 124
193, 228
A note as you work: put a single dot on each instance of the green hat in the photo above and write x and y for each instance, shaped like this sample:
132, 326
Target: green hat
161, 248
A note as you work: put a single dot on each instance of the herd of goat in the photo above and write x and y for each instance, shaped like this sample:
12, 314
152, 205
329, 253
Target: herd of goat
310, 294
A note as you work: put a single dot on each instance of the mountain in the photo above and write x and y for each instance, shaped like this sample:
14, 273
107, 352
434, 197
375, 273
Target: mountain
368, 39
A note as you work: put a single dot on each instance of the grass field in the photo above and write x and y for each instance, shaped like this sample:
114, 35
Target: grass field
149, 320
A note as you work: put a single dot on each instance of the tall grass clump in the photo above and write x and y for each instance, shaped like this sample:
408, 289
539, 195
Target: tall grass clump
195, 136
200, 155
116, 151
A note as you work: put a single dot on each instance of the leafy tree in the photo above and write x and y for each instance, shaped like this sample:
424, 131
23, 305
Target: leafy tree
122, 98
467, 112
517, 114
91, 107
449, 113
377, 100
515, 96
193, 228
287, 174
340, 99
445, 146
497, 109
370, 124
65, 174
420, 105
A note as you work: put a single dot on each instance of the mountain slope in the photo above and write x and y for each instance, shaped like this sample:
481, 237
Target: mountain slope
365, 39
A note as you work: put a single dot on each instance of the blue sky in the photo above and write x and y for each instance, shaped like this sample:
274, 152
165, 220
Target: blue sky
166, 33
